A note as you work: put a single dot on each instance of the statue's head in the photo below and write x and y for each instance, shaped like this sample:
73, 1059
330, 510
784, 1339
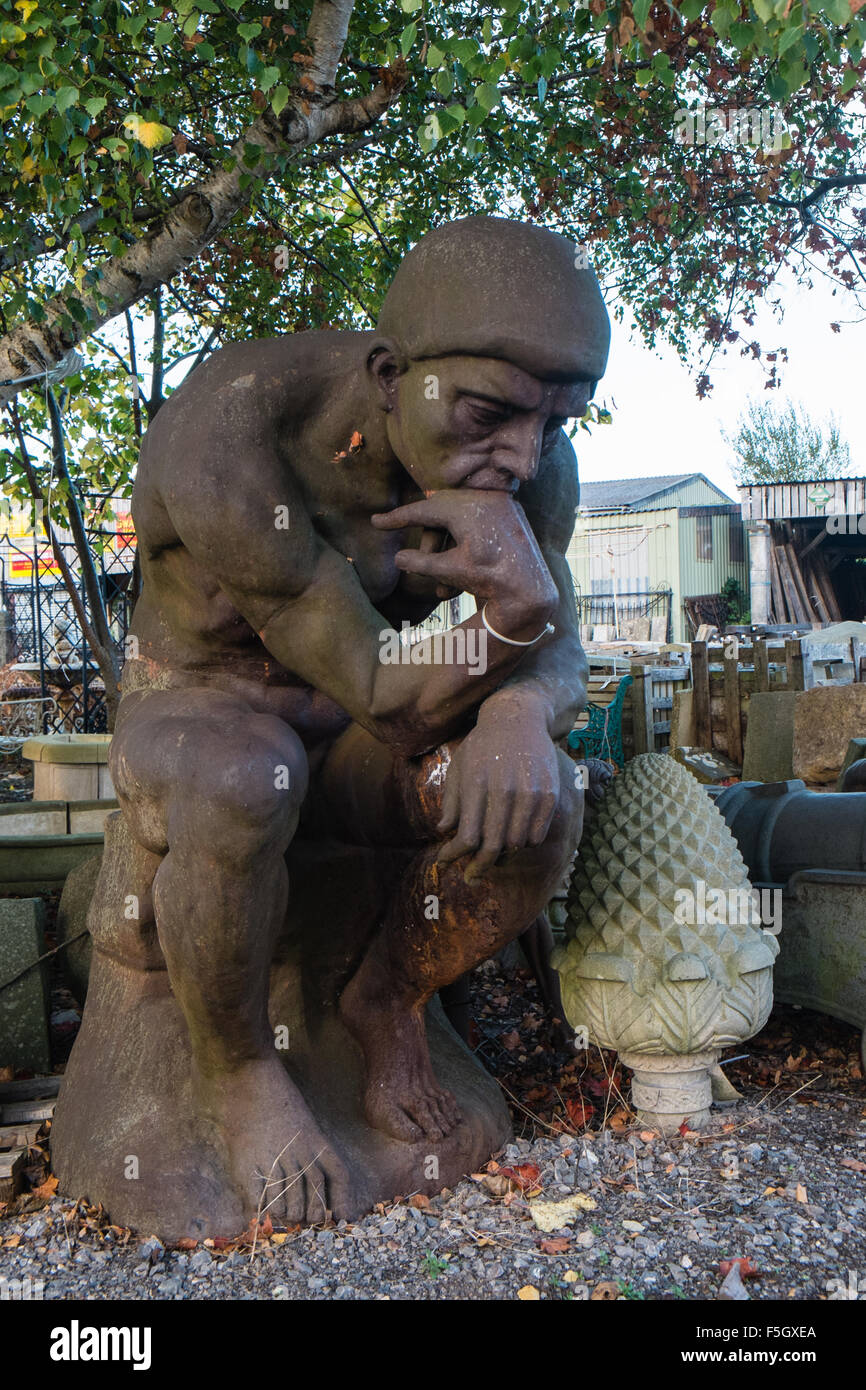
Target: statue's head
492, 334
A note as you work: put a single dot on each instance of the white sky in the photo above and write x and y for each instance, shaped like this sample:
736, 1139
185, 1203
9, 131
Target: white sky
660, 426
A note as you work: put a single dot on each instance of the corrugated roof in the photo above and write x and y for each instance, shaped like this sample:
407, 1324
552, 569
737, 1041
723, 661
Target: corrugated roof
625, 492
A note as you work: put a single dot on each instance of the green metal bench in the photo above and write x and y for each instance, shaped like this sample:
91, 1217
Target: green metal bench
602, 736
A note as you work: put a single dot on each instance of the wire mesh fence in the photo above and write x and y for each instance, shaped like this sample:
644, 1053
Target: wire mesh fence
51, 680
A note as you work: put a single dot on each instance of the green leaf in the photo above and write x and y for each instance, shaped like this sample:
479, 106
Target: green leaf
444, 82
690, 9
39, 104
410, 6
407, 38
794, 75
849, 80
429, 133
65, 97
435, 56
742, 36
249, 31
464, 50
789, 38
487, 96
763, 9
542, 88
839, 11
640, 10
279, 97
94, 105
267, 78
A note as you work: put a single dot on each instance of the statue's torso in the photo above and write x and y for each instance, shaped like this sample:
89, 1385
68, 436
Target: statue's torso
186, 628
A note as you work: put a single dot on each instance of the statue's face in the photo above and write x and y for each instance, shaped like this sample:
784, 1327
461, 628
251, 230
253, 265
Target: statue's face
476, 421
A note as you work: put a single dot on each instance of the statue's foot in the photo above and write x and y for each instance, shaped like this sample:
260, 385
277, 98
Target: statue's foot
402, 1096
278, 1158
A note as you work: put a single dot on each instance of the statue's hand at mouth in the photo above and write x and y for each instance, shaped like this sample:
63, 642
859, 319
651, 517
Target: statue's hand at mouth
495, 555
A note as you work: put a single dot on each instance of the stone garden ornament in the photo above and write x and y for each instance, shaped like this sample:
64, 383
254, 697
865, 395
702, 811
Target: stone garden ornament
668, 960
313, 841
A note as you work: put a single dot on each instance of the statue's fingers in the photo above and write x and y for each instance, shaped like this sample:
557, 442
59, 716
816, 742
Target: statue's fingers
436, 564
450, 805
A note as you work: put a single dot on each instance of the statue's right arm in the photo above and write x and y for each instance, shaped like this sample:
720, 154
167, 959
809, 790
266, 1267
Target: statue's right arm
241, 517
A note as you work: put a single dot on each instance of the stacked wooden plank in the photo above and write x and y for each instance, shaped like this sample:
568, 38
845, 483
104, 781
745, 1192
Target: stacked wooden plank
801, 584
713, 714
24, 1108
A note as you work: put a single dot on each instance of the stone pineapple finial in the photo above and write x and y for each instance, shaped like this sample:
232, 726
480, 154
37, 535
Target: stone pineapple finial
667, 961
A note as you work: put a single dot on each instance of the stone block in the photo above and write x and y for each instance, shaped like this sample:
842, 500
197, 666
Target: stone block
24, 1041
769, 751
826, 718
70, 767
33, 818
856, 751
88, 817
32, 864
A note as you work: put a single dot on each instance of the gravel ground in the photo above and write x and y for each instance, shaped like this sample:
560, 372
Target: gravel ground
780, 1183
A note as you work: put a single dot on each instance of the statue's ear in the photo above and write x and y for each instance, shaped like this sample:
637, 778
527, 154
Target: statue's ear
386, 362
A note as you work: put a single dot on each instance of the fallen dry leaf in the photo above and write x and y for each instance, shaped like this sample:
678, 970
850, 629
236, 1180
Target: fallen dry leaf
747, 1269
510, 1041
186, 1243
46, 1189
556, 1246
280, 1237
496, 1184
355, 443
580, 1112
604, 1293
800, 1193
854, 1163
529, 1293
552, 1216
419, 1201
523, 1175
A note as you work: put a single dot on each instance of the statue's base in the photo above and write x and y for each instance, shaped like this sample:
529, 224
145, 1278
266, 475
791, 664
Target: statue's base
127, 1132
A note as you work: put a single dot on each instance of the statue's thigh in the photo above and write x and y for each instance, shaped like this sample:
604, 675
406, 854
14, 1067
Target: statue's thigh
201, 765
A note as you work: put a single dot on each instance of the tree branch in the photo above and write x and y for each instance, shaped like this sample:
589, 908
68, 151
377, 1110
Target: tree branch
179, 238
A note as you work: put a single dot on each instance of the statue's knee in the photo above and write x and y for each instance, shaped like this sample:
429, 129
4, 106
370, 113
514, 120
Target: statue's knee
242, 799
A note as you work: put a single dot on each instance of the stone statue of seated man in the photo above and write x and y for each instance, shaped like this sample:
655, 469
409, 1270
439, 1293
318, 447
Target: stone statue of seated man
312, 839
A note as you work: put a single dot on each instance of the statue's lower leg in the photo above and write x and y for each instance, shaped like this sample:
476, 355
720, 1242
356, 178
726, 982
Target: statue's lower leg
217, 923
437, 928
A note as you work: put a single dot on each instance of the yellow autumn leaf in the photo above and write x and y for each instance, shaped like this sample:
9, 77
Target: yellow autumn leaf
26, 7
552, 1216
28, 169
148, 133
529, 1293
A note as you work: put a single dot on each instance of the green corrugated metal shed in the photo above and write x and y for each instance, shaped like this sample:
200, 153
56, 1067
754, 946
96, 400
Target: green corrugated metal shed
689, 538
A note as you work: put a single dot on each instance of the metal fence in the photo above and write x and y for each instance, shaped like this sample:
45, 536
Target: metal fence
613, 610
47, 654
